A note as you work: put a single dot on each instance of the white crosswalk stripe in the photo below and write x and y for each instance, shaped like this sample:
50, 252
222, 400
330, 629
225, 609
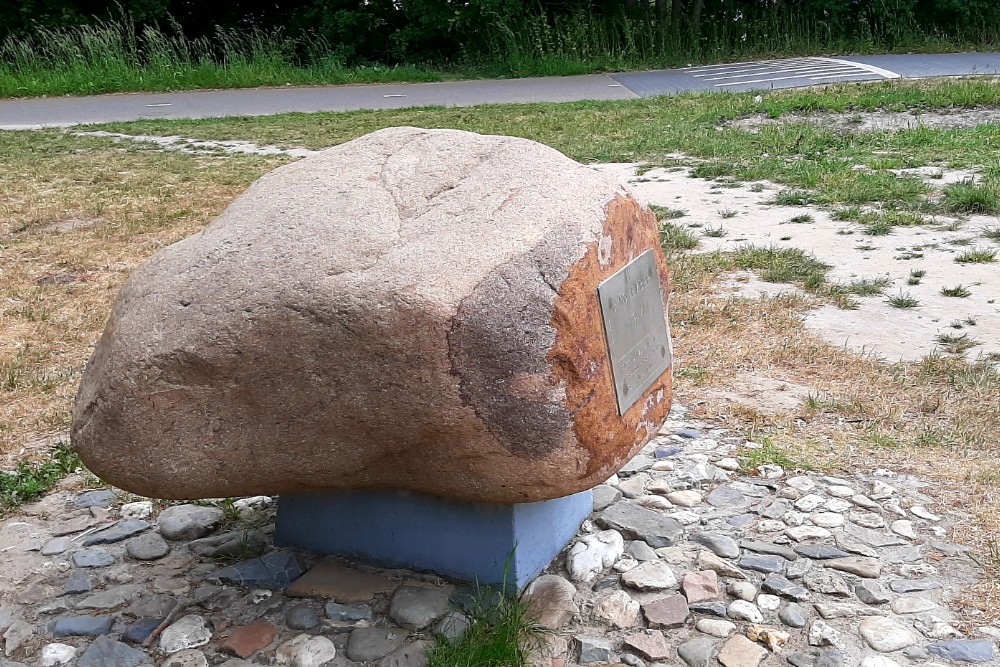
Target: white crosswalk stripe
787, 69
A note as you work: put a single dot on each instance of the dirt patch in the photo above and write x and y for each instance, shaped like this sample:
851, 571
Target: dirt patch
746, 285
762, 394
200, 147
68, 225
876, 121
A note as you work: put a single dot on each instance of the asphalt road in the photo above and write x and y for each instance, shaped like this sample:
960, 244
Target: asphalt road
760, 75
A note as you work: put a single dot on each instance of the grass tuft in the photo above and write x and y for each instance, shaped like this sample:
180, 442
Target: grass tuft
903, 300
991, 232
502, 633
977, 256
852, 213
868, 286
31, 480
959, 291
970, 197
768, 454
712, 170
715, 232
782, 265
666, 213
793, 198
956, 343
878, 228
673, 237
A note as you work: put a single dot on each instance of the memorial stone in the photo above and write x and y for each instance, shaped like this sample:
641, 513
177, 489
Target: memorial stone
476, 320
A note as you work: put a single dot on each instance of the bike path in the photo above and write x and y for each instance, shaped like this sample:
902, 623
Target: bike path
757, 75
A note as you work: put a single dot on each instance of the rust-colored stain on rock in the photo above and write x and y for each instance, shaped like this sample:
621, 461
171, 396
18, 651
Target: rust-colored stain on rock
580, 355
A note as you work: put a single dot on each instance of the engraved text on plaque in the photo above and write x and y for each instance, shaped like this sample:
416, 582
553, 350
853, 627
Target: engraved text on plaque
635, 326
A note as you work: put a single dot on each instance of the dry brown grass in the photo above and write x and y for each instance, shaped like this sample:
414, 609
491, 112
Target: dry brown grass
75, 216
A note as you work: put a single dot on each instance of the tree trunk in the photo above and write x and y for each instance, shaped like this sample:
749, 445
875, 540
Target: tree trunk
676, 9
696, 7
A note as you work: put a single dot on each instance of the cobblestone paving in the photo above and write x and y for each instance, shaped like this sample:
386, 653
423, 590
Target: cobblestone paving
688, 559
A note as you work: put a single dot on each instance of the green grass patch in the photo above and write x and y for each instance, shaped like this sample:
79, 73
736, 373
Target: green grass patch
696, 374
991, 232
843, 293
768, 454
868, 286
877, 228
903, 300
673, 237
779, 265
959, 291
968, 196
782, 265
31, 480
666, 213
851, 213
715, 232
977, 256
502, 633
956, 343
711, 170
793, 198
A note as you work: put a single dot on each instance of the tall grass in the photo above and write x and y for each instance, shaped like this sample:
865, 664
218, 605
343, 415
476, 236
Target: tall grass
542, 44
111, 56
562, 43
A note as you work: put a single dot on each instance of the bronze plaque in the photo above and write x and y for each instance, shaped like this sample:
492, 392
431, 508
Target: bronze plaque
635, 326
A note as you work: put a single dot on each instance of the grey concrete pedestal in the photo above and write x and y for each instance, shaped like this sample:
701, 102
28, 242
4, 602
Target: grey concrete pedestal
488, 544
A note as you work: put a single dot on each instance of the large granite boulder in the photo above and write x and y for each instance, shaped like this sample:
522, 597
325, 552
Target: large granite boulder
415, 309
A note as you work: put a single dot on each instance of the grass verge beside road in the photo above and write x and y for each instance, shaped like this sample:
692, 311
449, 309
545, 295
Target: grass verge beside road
819, 165
80, 211
117, 56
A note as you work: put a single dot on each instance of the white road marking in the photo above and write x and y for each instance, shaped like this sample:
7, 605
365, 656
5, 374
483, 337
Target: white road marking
767, 71
394, 96
745, 64
786, 78
869, 68
161, 104
799, 72
760, 68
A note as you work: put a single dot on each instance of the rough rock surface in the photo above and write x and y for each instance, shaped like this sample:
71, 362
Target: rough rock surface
424, 293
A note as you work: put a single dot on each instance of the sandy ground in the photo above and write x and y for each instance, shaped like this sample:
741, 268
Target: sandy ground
872, 121
875, 327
